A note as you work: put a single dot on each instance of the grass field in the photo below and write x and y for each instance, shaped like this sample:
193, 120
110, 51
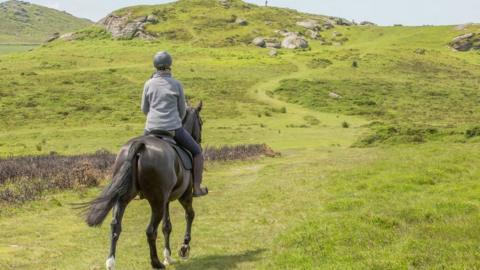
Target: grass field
10, 48
383, 178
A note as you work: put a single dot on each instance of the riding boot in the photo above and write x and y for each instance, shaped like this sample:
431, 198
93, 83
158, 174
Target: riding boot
198, 191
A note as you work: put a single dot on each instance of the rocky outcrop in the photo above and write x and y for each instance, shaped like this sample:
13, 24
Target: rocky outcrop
294, 42
53, 37
334, 95
466, 42
340, 21
313, 34
367, 23
152, 19
286, 33
122, 27
225, 3
273, 44
241, 21
310, 24
68, 37
259, 42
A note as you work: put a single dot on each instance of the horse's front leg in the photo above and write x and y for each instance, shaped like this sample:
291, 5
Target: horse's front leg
167, 229
187, 203
116, 227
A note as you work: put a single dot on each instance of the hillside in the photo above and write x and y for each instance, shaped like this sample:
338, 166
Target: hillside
23, 22
377, 126
215, 23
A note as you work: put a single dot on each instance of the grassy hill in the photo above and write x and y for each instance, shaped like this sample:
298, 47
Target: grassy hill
408, 198
23, 22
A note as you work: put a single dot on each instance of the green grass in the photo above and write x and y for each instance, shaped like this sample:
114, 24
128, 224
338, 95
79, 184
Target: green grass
408, 201
29, 23
7, 48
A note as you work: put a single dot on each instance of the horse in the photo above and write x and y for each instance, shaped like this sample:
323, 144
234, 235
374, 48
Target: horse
150, 167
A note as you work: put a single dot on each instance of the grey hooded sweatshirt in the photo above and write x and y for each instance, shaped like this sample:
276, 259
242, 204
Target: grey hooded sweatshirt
163, 102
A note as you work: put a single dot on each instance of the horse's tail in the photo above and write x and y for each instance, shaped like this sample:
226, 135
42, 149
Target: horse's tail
122, 183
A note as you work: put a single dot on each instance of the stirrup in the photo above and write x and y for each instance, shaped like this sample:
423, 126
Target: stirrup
204, 191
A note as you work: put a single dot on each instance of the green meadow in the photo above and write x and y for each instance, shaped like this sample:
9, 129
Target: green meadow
12, 48
383, 177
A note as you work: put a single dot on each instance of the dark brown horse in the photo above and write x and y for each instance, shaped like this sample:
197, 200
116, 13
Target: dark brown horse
149, 166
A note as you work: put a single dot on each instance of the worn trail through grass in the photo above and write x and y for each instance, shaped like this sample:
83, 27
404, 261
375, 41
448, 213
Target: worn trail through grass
251, 203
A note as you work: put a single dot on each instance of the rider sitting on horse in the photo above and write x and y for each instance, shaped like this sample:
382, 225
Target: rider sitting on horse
164, 104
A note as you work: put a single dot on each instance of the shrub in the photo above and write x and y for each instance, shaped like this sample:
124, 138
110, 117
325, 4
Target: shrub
473, 132
319, 63
311, 120
239, 152
28, 178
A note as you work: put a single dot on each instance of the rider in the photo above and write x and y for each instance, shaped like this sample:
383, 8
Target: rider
164, 104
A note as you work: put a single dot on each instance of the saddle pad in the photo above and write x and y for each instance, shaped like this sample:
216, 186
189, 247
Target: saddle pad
184, 155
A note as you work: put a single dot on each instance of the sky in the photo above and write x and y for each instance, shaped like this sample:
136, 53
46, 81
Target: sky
383, 12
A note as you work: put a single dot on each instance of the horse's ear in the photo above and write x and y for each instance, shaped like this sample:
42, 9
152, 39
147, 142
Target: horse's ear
199, 106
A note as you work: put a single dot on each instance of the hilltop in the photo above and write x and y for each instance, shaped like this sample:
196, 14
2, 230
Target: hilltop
23, 22
216, 23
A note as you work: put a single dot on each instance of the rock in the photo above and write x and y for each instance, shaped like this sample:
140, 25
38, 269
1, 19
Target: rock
152, 19
328, 25
340, 21
274, 45
466, 42
337, 34
141, 19
294, 42
122, 28
462, 37
286, 33
313, 34
225, 3
273, 52
310, 24
334, 95
241, 21
68, 37
420, 51
364, 23
53, 37
259, 42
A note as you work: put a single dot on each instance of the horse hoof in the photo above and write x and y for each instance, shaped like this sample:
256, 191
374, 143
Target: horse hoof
156, 265
168, 258
184, 252
110, 263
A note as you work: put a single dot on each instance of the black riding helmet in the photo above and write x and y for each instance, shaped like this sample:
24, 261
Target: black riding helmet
162, 60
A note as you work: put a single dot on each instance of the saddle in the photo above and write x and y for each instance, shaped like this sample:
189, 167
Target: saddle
184, 155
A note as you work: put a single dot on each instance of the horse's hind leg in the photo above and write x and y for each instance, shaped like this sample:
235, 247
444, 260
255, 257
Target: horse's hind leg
152, 229
116, 227
187, 203
167, 229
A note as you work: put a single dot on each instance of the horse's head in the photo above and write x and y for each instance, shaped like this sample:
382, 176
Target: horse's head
193, 122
